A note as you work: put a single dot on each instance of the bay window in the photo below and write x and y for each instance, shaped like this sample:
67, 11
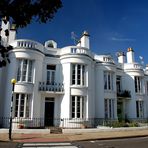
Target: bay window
108, 80
140, 109
77, 107
78, 74
22, 105
24, 72
109, 108
138, 84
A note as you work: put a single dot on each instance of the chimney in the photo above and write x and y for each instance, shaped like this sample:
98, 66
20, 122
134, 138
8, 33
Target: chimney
5, 26
8, 32
121, 57
130, 55
12, 33
84, 41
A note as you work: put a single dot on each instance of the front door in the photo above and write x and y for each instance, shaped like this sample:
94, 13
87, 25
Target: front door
49, 112
120, 110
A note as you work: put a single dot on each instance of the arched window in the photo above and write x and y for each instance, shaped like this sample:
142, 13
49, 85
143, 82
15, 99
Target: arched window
50, 45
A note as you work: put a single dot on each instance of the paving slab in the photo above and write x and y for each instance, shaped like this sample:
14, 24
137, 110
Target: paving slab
75, 135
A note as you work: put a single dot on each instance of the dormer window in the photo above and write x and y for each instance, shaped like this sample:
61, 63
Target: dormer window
50, 45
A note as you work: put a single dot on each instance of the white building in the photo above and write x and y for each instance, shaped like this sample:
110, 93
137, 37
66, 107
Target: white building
70, 83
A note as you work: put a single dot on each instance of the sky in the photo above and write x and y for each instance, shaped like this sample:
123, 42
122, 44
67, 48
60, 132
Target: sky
113, 25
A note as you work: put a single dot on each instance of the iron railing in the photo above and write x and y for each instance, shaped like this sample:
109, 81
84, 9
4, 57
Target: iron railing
51, 87
70, 122
124, 94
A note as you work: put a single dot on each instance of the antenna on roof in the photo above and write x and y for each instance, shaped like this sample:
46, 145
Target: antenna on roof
74, 37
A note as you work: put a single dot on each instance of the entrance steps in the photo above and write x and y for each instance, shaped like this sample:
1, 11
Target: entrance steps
55, 130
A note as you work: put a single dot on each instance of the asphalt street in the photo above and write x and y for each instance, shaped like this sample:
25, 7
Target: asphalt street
141, 142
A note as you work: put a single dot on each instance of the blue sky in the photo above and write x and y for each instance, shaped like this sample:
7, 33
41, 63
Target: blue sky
113, 25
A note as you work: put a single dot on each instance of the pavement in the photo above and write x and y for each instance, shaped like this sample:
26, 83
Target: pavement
71, 135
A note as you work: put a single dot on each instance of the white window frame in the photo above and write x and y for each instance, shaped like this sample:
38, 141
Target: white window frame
109, 108
146, 88
23, 103
138, 84
50, 77
140, 109
78, 74
118, 83
25, 70
108, 80
77, 105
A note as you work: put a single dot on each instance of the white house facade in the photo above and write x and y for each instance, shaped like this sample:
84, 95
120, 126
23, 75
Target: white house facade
60, 85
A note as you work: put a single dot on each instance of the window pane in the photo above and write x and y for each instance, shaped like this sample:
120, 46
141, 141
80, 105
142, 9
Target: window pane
137, 108
73, 74
147, 87
105, 80
83, 74
27, 107
16, 105
78, 107
136, 84
52, 77
109, 81
24, 70
73, 107
118, 83
30, 71
19, 71
78, 74
22, 105
106, 108
48, 77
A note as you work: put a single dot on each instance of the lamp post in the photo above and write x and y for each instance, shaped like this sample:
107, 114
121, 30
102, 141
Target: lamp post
13, 81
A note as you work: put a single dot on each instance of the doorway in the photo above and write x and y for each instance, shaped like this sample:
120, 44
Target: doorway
49, 112
120, 110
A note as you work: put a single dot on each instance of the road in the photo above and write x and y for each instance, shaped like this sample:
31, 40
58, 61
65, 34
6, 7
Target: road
114, 143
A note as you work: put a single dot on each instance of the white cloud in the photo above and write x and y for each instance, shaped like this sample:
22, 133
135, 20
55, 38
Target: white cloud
123, 39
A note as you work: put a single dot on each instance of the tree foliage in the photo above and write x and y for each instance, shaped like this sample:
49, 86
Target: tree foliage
21, 13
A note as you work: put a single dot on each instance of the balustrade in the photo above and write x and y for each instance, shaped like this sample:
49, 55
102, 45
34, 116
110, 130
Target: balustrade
51, 87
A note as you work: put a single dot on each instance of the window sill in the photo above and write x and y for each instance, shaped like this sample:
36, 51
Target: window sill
140, 94
28, 83
78, 86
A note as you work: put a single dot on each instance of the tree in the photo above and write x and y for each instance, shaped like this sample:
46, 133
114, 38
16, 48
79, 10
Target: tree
21, 13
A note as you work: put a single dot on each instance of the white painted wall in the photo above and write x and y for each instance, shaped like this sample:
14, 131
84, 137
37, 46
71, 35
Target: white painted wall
63, 58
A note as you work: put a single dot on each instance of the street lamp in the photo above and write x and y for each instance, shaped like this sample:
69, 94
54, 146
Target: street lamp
13, 81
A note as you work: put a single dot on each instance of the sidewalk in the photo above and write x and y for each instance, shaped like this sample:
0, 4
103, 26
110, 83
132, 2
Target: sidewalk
73, 135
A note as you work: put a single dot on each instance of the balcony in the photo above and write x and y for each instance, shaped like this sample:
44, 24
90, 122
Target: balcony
75, 50
133, 66
104, 59
57, 88
27, 44
124, 94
